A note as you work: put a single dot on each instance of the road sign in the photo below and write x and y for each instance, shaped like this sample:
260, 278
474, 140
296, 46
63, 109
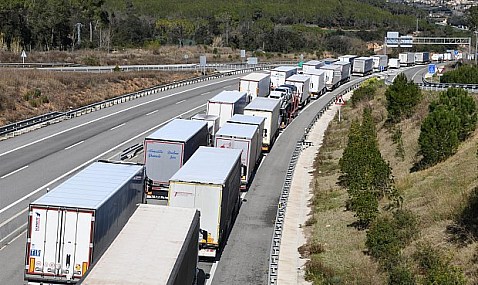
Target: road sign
202, 60
24, 55
300, 64
340, 101
432, 68
243, 53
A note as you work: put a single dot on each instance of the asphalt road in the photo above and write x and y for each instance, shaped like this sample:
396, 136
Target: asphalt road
41, 159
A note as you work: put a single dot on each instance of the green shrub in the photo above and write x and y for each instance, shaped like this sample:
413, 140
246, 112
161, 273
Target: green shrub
436, 267
401, 275
387, 237
466, 74
467, 219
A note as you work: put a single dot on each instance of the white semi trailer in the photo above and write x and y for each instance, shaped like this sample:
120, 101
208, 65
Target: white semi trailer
302, 82
280, 74
226, 104
210, 182
158, 245
270, 110
71, 226
255, 85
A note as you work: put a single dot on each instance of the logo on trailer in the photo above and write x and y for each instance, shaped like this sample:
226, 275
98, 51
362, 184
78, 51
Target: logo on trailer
37, 221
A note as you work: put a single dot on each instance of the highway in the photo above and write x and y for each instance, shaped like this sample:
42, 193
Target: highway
33, 162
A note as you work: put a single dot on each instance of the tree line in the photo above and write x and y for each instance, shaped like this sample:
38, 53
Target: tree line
279, 26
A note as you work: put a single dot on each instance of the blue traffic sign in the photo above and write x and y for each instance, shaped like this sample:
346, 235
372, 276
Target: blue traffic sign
432, 68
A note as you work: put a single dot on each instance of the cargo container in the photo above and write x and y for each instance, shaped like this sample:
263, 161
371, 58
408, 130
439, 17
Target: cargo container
380, 62
270, 110
71, 226
317, 82
226, 104
311, 65
333, 75
158, 245
394, 63
406, 58
255, 85
280, 74
167, 149
212, 124
302, 82
348, 58
251, 120
437, 57
245, 138
345, 70
363, 66
210, 182
422, 57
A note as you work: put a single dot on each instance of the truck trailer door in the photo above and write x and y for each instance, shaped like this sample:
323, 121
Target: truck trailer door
59, 243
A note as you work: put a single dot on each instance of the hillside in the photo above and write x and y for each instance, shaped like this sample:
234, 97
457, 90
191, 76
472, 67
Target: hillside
436, 196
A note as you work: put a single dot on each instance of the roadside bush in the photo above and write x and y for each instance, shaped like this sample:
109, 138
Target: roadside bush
436, 268
318, 273
387, 237
466, 74
401, 275
467, 219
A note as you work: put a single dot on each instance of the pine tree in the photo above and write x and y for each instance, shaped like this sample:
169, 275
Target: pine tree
402, 96
438, 136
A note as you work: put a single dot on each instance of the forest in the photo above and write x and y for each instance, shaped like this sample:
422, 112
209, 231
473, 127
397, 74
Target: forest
276, 26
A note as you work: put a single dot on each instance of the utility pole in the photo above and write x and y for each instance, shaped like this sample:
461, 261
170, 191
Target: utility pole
476, 46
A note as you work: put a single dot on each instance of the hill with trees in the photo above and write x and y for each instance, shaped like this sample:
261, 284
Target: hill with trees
278, 26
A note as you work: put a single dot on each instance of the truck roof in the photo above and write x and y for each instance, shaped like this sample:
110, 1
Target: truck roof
228, 96
237, 131
209, 165
263, 104
341, 63
284, 68
363, 58
255, 76
313, 62
298, 78
348, 56
245, 119
380, 55
155, 235
331, 67
91, 187
178, 130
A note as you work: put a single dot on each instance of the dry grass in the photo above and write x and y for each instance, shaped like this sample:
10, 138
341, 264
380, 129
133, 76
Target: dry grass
435, 195
68, 90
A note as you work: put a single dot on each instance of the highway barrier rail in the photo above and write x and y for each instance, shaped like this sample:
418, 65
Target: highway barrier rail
435, 86
18, 128
284, 197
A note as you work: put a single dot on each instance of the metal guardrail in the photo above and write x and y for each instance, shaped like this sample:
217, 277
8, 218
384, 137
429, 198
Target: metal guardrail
427, 85
284, 197
29, 123
43, 120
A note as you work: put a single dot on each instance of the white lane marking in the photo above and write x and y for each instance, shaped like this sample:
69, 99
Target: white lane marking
419, 70
211, 273
118, 126
13, 172
73, 145
206, 93
11, 219
109, 115
89, 161
243, 195
152, 112
182, 101
10, 242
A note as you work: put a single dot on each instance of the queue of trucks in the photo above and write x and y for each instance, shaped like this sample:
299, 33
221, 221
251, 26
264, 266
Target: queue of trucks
78, 232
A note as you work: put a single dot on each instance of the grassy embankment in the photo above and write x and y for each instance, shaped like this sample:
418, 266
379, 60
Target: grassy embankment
435, 195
